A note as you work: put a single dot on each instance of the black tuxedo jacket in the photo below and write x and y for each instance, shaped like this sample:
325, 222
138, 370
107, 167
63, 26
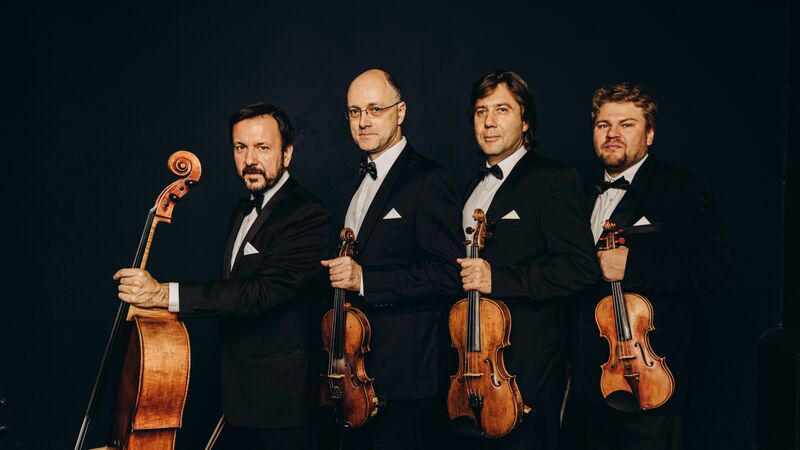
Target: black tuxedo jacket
538, 261
410, 274
269, 311
679, 258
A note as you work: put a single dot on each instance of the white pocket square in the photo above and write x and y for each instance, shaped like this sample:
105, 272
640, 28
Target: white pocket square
642, 221
249, 249
393, 214
512, 215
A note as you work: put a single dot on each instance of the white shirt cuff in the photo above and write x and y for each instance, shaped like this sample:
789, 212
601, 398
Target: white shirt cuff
174, 297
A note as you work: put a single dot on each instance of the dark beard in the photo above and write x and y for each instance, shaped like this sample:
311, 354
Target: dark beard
268, 181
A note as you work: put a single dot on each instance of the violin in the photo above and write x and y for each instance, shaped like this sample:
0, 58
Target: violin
154, 378
346, 387
634, 378
483, 398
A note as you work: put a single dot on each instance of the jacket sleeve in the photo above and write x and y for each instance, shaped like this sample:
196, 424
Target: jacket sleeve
434, 274
569, 264
286, 268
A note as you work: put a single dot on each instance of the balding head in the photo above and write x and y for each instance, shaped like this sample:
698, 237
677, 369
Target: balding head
375, 79
376, 111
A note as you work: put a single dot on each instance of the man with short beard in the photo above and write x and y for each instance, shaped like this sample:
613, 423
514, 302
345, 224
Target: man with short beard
674, 254
268, 298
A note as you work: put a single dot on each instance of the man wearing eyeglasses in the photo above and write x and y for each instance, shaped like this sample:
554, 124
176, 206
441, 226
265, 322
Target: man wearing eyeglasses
405, 212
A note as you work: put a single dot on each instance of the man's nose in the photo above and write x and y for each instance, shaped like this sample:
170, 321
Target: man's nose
489, 121
364, 121
614, 132
250, 156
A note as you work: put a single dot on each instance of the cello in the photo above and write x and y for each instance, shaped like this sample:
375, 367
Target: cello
634, 378
483, 398
346, 387
154, 378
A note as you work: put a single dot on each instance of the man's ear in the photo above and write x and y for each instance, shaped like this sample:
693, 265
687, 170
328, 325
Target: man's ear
401, 113
651, 134
287, 155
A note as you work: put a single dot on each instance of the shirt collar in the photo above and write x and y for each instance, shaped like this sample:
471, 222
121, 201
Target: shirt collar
386, 159
507, 165
628, 173
273, 189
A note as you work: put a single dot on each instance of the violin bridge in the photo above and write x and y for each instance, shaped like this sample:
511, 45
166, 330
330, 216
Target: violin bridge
333, 376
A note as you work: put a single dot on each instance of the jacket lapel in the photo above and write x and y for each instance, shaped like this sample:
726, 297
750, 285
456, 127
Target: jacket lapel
236, 223
378, 202
506, 191
627, 206
267, 211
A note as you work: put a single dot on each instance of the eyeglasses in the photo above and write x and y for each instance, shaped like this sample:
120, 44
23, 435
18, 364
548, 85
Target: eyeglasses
372, 111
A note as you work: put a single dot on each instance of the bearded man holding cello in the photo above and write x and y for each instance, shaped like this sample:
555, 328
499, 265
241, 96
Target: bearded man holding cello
672, 253
269, 297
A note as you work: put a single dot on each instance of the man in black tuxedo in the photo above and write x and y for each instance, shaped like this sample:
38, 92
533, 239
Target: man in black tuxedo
405, 212
674, 252
269, 298
540, 254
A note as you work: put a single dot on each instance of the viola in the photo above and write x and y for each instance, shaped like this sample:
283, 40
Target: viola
483, 398
154, 378
346, 387
634, 378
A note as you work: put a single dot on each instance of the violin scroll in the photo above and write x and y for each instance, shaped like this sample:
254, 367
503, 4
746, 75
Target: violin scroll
187, 166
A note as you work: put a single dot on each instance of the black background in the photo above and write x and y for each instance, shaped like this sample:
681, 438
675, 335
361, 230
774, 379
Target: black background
102, 95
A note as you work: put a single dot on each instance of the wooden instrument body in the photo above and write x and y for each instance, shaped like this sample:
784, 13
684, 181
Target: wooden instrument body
632, 366
483, 398
358, 403
634, 378
153, 385
154, 378
346, 333
483, 373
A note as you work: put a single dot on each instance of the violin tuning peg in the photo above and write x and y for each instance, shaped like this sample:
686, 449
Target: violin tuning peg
467, 242
469, 230
174, 197
621, 241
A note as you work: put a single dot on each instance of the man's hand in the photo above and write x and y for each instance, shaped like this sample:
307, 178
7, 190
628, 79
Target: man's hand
137, 287
476, 273
344, 273
612, 263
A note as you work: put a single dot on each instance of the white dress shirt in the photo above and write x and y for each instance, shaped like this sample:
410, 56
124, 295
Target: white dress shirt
608, 200
363, 197
366, 191
247, 222
486, 189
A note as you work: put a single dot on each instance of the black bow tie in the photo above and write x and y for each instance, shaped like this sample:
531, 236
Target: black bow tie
619, 183
367, 168
494, 170
248, 204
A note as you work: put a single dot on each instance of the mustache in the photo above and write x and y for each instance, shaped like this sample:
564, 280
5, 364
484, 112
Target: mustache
251, 170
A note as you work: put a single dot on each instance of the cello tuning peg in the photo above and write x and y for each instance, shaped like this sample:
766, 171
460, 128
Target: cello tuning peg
469, 230
191, 183
174, 198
